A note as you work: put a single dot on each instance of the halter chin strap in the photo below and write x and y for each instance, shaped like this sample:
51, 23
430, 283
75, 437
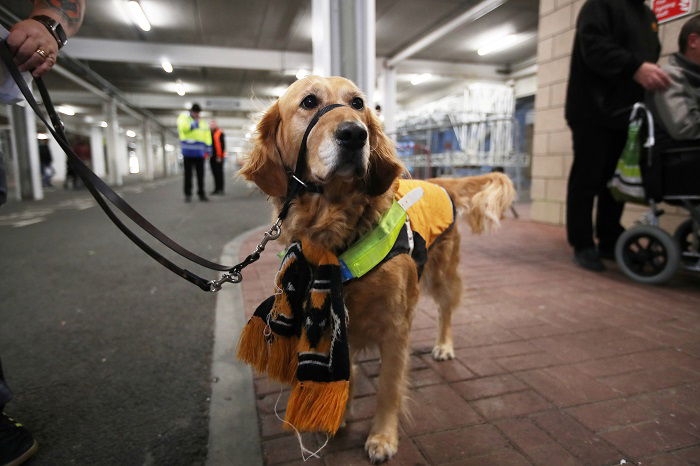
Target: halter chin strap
295, 181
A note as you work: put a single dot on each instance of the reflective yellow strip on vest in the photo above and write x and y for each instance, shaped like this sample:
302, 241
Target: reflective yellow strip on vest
373, 247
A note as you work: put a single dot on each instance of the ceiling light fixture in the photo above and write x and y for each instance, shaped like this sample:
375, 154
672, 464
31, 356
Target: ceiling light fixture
138, 16
131, 133
421, 78
180, 88
66, 110
167, 66
103, 124
42, 136
503, 43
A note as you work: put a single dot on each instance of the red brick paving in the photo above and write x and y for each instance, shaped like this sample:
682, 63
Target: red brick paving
554, 366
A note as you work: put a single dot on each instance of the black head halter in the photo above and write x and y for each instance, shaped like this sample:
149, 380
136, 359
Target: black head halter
295, 183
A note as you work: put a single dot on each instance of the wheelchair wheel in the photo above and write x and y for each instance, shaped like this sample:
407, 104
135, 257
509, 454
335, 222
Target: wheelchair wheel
684, 238
647, 254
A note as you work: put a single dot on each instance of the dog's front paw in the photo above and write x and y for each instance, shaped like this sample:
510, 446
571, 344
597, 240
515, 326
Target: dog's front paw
381, 447
443, 352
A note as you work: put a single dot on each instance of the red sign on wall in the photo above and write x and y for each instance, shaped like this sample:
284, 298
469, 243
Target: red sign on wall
666, 10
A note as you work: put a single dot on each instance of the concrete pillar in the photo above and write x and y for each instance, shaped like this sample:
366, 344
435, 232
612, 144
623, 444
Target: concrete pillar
149, 169
389, 104
23, 125
344, 41
112, 137
98, 151
59, 160
122, 154
162, 141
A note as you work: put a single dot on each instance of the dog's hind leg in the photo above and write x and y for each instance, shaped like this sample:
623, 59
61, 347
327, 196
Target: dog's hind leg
445, 286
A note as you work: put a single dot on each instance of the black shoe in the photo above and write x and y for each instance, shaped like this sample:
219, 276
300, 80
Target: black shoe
588, 259
216, 193
16, 443
606, 253
188, 198
203, 198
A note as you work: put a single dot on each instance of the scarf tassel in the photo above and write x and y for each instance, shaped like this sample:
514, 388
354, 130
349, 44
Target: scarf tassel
282, 359
252, 347
317, 406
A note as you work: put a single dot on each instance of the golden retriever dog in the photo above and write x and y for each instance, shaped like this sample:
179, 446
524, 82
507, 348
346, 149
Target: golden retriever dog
358, 183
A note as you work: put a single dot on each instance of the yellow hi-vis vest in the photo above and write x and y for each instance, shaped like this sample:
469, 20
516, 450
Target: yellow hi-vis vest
195, 136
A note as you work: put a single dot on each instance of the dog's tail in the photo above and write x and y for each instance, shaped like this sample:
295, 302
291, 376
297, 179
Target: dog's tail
482, 200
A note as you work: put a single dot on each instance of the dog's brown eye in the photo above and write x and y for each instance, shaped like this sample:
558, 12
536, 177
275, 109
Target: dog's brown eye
309, 102
357, 103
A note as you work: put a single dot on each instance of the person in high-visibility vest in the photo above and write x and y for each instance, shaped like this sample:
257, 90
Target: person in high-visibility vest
195, 142
217, 157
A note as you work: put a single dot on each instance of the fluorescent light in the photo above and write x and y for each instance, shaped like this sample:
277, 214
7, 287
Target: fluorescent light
131, 133
302, 73
169, 147
138, 16
421, 78
180, 88
66, 110
88, 119
248, 135
42, 136
502, 43
167, 66
103, 124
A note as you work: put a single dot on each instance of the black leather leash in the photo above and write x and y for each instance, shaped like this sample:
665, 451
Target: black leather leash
99, 188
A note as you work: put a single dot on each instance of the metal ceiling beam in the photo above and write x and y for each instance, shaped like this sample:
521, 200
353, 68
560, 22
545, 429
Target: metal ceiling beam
170, 102
186, 55
466, 70
439, 32
122, 51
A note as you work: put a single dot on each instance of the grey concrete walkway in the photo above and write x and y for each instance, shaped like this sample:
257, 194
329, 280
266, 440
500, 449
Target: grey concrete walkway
109, 353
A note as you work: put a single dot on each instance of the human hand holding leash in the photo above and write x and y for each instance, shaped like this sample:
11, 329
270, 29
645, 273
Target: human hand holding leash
33, 46
35, 42
651, 77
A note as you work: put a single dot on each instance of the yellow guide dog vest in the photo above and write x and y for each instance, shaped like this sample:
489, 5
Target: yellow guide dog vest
420, 214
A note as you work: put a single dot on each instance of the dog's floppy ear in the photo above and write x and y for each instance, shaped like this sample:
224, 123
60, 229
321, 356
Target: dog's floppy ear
264, 164
384, 167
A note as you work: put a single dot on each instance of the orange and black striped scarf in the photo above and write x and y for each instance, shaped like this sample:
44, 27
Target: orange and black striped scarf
298, 336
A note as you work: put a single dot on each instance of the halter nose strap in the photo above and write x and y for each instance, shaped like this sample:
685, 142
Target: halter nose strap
295, 178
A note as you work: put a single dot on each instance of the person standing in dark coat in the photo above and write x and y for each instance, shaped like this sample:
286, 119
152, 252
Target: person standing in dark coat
46, 163
612, 64
218, 156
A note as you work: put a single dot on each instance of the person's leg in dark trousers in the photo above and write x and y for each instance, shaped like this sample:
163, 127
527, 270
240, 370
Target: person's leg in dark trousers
199, 167
5, 393
189, 162
220, 176
212, 164
608, 210
16, 443
596, 150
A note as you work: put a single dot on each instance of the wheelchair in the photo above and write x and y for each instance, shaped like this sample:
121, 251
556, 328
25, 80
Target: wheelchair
670, 173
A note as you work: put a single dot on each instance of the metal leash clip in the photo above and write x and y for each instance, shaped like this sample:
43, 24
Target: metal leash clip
234, 275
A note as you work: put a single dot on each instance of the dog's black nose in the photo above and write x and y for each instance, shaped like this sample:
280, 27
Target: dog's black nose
351, 135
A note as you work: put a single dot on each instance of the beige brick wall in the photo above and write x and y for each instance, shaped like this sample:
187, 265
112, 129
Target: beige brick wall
552, 152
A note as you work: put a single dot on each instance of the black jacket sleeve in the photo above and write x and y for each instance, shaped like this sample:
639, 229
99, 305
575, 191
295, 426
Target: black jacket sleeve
600, 51
223, 142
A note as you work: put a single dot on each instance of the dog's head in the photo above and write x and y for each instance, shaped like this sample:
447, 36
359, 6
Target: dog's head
347, 144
